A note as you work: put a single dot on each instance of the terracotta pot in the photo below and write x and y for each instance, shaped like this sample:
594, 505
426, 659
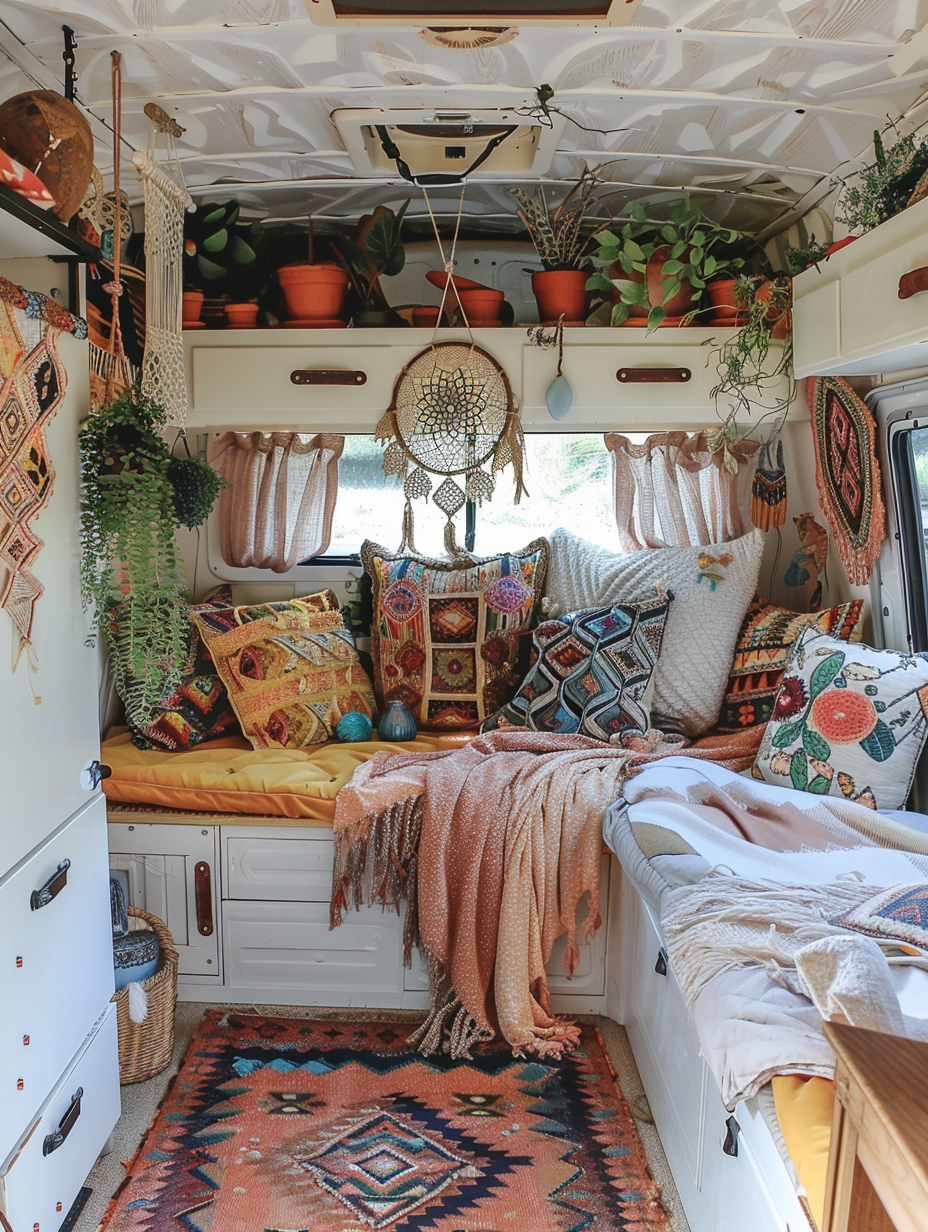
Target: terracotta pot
839, 244
560, 292
425, 318
634, 310
682, 301
781, 318
482, 307
313, 292
724, 304
192, 303
242, 314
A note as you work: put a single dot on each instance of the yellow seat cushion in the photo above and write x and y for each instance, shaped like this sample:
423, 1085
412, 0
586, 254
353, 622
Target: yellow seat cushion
805, 1107
229, 776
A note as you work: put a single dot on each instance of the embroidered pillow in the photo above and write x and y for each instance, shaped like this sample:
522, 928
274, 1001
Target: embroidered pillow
291, 669
593, 673
200, 709
897, 916
446, 635
712, 587
847, 721
762, 653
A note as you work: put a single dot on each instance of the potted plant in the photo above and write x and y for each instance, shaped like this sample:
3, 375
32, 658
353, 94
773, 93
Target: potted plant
561, 239
804, 257
896, 178
694, 251
131, 505
374, 250
314, 291
220, 257
622, 261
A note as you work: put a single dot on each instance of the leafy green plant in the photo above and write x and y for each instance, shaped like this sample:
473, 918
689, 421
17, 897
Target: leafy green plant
884, 187
374, 250
561, 238
628, 250
130, 572
802, 258
196, 486
219, 251
696, 254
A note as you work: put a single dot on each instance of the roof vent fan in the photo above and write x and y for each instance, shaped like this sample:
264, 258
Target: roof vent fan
473, 13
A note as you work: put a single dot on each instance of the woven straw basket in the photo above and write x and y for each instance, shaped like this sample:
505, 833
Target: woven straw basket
145, 1047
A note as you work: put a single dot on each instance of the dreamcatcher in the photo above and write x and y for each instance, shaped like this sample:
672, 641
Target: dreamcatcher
166, 200
452, 416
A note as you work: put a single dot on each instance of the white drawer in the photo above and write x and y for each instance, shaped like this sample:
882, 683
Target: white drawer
37, 1188
288, 946
278, 869
741, 1180
57, 963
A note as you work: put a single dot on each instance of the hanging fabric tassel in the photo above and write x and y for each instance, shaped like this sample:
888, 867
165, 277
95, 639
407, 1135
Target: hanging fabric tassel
768, 489
138, 1001
451, 544
409, 537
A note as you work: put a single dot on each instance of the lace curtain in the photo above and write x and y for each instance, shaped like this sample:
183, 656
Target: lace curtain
279, 508
671, 492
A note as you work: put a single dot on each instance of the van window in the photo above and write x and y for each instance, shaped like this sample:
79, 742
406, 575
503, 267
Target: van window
909, 460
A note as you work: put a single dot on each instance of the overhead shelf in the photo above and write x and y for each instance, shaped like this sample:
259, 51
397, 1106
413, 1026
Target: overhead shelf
27, 231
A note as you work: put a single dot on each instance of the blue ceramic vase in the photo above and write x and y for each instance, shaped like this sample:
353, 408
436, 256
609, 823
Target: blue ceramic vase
397, 724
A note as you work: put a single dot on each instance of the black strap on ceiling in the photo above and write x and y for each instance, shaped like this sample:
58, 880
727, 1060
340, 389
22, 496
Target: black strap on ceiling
435, 179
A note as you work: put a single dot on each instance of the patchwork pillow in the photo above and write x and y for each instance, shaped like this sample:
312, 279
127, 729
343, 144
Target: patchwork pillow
291, 669
446, 635
762, 653
200, 709
593, 673
847, 722
712, 587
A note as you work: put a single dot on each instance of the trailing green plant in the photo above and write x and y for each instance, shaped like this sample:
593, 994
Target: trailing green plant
130, 572
697, 254
560, 238
196, 485
802, 258
373, 251
220, 251
884, 187
628, 250
747, 370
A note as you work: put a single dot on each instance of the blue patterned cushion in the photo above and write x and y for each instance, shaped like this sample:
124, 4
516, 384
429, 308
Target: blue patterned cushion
898, 915
593, 673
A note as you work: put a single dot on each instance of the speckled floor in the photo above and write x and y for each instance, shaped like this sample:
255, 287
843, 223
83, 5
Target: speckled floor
140, 1103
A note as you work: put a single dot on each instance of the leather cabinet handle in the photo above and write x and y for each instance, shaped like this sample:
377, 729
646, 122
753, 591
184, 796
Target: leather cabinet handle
203, 894
661, 966
52, 888
658, 376
914, 281
730, 1145
54, 1140
328, 376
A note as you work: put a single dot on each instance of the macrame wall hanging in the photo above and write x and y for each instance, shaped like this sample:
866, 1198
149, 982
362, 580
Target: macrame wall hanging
768, 488
166, 200
847, 473
452, 416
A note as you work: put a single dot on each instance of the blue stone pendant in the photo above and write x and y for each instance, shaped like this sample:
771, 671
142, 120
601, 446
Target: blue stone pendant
559, 397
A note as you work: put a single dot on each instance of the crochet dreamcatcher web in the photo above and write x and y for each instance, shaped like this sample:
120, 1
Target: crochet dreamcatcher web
452, 415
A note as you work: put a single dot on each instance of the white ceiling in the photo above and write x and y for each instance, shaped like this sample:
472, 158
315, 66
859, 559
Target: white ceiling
752, 103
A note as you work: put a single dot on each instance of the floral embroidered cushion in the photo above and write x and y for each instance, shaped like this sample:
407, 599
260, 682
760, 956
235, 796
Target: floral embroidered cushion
291, 669
847, 721
200, 709
446, 635
593, 673
762, 653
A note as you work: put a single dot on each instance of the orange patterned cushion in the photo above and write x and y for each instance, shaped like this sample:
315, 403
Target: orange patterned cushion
290, 669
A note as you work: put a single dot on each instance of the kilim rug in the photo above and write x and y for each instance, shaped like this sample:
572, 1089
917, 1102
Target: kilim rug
293, 1125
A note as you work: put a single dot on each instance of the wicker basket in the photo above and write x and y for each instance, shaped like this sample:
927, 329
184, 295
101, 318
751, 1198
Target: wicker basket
145, 1047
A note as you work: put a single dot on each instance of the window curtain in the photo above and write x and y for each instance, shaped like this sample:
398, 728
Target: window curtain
671, 492
278, 509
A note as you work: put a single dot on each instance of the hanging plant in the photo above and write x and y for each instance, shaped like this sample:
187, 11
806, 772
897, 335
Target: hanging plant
196, 486
130, 573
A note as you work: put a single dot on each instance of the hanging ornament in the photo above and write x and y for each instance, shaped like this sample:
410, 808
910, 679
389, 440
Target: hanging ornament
559, 396
768, 489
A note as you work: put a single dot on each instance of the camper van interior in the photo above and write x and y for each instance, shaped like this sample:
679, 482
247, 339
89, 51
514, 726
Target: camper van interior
464, 565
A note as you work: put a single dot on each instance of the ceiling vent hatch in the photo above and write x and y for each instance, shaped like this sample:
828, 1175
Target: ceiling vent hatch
473, 12
448, 142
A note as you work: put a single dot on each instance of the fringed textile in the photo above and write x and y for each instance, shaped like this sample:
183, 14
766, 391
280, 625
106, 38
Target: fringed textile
39, 307
768, 489
847, 473
671, 491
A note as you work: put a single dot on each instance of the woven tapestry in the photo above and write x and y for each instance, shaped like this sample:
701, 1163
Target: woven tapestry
32, 383
847, 473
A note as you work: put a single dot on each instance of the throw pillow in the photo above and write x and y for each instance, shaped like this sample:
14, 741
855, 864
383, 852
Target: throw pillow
291, 669
200, 709
593, 673
712, 587
897, 916
847, 721
446, 635
762, 653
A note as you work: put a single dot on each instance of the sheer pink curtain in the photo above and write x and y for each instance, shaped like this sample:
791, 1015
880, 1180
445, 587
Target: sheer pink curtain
279, 508
671, 492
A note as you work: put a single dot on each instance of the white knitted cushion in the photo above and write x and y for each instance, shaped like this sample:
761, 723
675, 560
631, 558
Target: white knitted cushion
710, 601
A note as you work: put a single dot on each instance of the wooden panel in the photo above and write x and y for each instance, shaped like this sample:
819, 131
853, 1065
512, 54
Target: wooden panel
40, 1188
56, 963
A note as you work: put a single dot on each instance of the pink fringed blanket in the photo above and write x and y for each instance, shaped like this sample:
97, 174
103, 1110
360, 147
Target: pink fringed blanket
492, 846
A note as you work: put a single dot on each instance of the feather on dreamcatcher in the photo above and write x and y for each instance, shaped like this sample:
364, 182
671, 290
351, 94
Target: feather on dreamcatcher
452, 415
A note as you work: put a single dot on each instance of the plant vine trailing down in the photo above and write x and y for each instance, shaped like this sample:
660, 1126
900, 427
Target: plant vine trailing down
133, 497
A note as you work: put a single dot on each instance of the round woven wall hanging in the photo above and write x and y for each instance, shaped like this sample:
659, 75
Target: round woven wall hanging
452, 415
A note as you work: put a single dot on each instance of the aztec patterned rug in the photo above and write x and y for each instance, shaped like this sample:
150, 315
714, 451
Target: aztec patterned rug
290, 1124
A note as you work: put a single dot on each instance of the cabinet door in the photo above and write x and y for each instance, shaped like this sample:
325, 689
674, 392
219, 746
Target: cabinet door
45, 745
171, 872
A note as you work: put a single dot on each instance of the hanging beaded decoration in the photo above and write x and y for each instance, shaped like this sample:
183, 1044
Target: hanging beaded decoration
452, 415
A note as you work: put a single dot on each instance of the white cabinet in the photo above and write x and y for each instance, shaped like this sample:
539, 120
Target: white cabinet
848, 315
171, 872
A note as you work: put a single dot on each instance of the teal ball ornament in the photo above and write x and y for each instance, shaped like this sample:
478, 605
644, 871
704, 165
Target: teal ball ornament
353, 727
